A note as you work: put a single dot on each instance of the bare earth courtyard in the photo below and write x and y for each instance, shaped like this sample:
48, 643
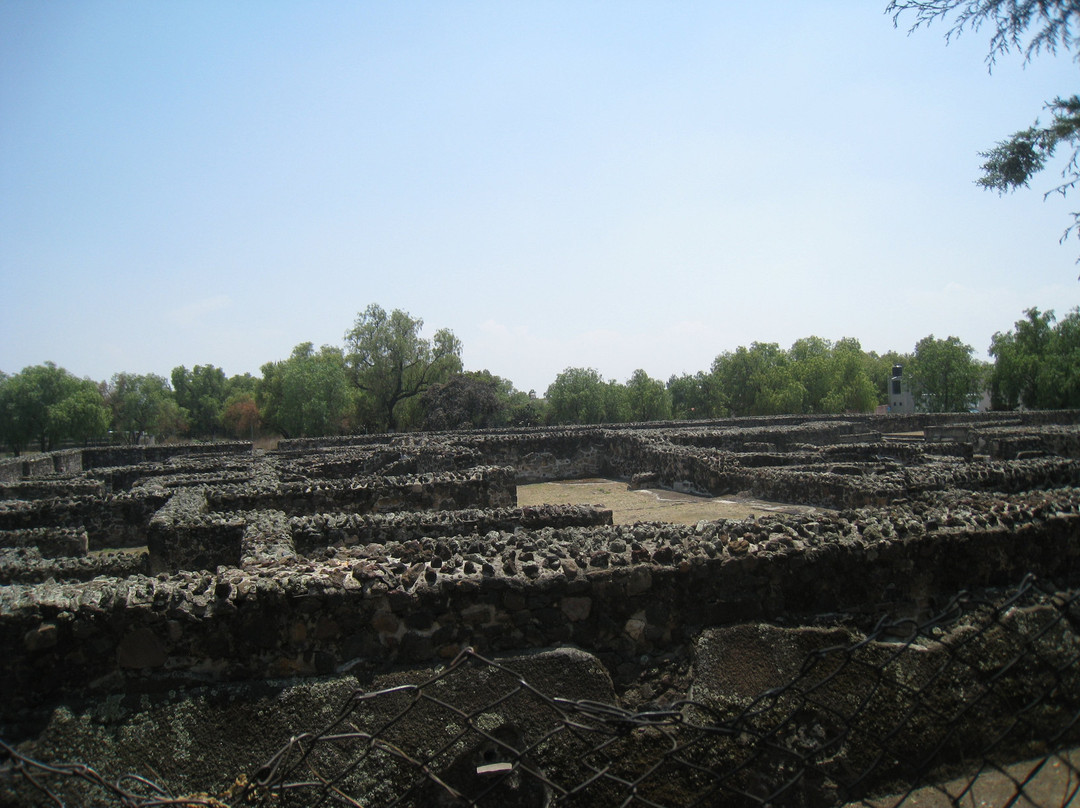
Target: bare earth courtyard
649, 504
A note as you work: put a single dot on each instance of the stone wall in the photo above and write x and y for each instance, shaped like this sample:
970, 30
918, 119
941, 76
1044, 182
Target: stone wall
102, 457
49, 542
627, 593
1009, 443
311, 534
15, 469
481, 487
119, 520
362, 554
183, 535
45, 488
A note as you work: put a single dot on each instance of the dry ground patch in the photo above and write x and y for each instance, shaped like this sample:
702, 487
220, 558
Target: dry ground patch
648, 504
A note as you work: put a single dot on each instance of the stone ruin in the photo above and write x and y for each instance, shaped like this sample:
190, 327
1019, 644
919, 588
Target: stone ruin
156, 603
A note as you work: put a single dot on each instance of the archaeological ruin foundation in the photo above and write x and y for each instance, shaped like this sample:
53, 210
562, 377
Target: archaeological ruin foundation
185, 613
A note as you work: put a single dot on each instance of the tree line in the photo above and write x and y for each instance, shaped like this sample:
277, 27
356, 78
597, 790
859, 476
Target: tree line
387, 377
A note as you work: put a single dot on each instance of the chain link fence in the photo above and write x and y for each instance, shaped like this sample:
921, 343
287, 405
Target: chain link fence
979, 705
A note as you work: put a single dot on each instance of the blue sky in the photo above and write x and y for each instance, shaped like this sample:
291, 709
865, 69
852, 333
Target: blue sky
615, 185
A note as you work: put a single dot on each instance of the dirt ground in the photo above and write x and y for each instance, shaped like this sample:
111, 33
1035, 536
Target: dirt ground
1049, 782
648, 505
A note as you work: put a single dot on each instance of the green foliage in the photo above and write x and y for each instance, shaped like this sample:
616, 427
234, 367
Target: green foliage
143, 405
1037, 364
465, 401
880, 368
813, 376
390, 377
390, 363
757, 381
47, 404
944, 375
41, 387
581, 396
239, 411
525, 409
306, 395
81, 415
694, 397
15, 428
616, 407
200, 392
647, 399
9, 425
240, 415
576, 397
850, 386
1014, 161
239, 384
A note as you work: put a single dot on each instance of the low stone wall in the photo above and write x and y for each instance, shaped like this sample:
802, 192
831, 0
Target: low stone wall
320, 562
546, 455
182, 535
1012, 442
10, 471
64, 488
49, 542
15, 469
119, 520
27, 566
71, 461
624, 592
317, 532
106, 456
398, 459
779, 437
482, 487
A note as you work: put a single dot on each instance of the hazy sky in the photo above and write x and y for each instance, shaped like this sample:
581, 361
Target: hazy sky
615, 185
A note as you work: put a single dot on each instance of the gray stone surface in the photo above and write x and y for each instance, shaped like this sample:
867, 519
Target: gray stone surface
201, 739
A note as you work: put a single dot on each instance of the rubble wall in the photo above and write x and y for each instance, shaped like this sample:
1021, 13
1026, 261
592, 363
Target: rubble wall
482, 487
623, 592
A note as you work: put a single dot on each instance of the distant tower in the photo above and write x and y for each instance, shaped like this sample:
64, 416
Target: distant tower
900, 398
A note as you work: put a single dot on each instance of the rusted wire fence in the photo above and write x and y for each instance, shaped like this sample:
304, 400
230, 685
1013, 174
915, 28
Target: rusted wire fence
978, 706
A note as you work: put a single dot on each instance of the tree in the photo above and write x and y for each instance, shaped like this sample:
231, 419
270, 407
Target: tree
465, 401
814, 376
1036, 364
40, 387
525, 409
945, 376
1066, 354
1019, 357
390, 363
1031, 27
11, 431
647, 399
143, 405
811, 364
880, 370
240, 415
240, 384
200, 391
758, 381
306, 394
81, 415
850, 387
576, 397
47, 404
694, 397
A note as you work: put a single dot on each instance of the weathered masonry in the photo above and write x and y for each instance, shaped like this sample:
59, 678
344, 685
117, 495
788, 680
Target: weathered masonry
126, 574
